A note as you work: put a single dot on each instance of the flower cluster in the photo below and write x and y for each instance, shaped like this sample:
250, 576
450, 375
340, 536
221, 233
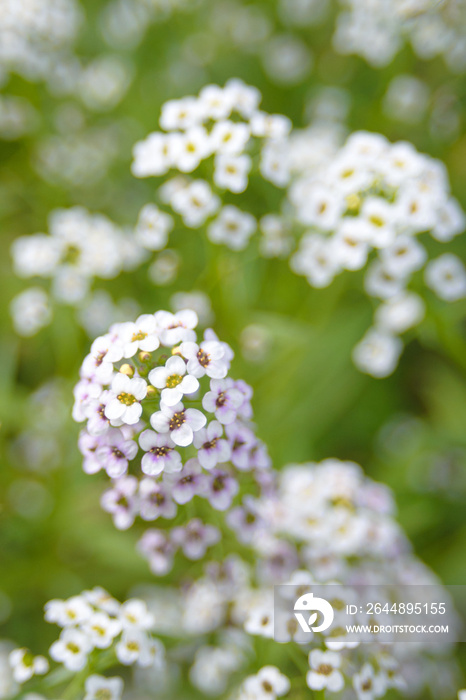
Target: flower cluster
35, 33
352, 516
318, 523
377, 30
80, 247
369, 204
166, 423
328, 519
222, 126
91, 623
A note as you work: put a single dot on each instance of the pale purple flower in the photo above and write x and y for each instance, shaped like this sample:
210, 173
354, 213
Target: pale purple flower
188, 483
89, 446
121, 501
155, 546
245, 520
195, 538
155, 501
179, 421
228, 354
245, 410
224, 400
116, 453
242, 440
205, 359
98, 365
85, 391
160, 453
220, 489
278, 561
141, 335
212, 448
259, 457
97, 421
126, 394
173, 380
176, 328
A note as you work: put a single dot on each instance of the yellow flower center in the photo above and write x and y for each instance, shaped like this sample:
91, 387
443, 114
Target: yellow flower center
173, 380
126, 399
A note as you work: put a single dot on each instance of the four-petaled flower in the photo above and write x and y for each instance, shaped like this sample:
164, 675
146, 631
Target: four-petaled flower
212, 447
179, 421
173, 380
124, 404
206, 358
160, 453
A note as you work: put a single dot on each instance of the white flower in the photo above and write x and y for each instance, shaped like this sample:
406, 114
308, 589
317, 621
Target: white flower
403, 256
101, 688
231, 172
272, 126
154, 155
153, 227
381, 283
173, 381
134, 647
180, 114
367, 684
229, 138
260, 622
245, 98
451, 221
25, 665
379, 217
70, 285
268, 683
318, 204
194, 146
179, 421
71, 649
324, 673
127, 393
30, 311
35, 255
416, 209
275, 163
195, 203
276, 241
98, 365
446, 276
174, 328
134, 614
101, 629
350, 243
141, 335
208, 358
400, 313
400, 163
377, 353
73, 611
196, 300
160, 454
232, 227
215, 102
316, 260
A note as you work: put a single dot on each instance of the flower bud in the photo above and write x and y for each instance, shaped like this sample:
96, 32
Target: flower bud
127, 369
152, 392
